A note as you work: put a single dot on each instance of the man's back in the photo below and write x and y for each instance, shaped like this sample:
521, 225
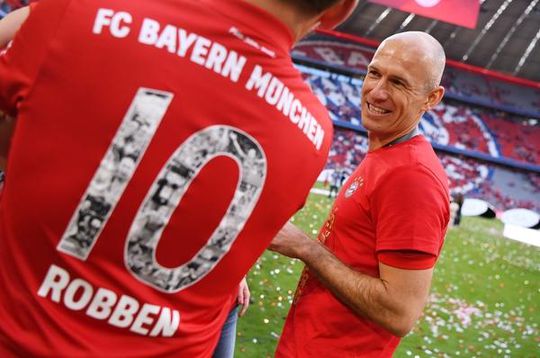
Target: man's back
145, 171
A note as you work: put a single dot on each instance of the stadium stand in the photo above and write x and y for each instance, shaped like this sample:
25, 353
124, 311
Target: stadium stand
502, 187
482, 131
452, 123
474, 88
517, 139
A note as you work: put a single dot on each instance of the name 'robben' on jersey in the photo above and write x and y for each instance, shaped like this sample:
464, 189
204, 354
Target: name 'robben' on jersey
104, 304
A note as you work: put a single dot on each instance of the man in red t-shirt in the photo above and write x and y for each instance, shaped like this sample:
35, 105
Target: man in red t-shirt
368, 276
145, 172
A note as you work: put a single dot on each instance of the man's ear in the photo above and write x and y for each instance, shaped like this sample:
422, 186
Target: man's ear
434, 97
337, 13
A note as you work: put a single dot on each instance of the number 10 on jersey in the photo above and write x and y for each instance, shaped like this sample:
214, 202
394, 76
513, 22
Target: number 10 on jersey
118, 166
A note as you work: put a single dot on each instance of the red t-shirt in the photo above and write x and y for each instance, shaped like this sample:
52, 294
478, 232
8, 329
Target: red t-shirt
396, 200
149, 168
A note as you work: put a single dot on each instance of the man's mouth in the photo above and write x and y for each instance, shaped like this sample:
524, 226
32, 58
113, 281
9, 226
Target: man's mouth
377, 110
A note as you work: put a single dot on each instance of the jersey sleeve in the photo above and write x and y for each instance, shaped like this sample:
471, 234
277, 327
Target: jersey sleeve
411, 211
20, 62
407, 260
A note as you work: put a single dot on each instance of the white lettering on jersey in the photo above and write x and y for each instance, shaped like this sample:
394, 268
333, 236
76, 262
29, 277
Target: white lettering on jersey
144, 318
149, 32
126, 312
55, 281
275, 93
185, 42
204, 52
122, 315
71, 293
116, 21
167, 323
219, 59
167, 39
102, 304
200, 50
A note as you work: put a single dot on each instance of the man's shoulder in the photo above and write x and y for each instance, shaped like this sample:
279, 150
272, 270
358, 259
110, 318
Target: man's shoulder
414, 159
418, 152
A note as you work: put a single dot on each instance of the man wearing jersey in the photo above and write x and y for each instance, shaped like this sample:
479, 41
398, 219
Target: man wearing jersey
76, 78
368, 275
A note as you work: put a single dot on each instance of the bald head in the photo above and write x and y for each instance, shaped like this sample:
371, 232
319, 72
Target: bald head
401, 84
419, 47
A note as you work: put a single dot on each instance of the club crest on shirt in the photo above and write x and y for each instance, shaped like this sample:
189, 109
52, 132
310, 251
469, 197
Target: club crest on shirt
356, 183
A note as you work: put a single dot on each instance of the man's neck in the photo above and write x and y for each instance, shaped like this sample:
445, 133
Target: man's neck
376, 142
299, 24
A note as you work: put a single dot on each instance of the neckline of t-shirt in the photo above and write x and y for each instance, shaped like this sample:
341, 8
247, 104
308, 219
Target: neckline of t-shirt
396, 145
258, 20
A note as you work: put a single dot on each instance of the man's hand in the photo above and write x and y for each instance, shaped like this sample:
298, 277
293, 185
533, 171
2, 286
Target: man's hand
243, 296
291, 242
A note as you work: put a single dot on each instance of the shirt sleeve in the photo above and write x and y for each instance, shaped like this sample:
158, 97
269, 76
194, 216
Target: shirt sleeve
411, 211
21, 61
407, 260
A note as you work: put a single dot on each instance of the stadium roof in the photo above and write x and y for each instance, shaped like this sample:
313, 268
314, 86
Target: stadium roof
506, 38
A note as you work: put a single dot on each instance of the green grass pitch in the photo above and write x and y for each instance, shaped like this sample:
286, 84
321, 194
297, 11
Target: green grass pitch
484, 298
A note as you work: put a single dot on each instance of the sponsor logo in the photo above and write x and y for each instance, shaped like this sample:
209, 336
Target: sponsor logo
356, 183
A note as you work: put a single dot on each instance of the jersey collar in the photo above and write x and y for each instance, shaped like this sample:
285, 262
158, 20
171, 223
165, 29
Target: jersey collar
257, 19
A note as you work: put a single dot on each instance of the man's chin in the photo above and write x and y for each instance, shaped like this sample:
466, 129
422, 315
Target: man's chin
369, 124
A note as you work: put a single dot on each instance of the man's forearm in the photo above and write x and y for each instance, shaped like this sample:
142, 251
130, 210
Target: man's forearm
394, 300
366, 295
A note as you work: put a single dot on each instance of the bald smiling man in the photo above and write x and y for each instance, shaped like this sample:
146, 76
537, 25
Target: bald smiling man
368, 275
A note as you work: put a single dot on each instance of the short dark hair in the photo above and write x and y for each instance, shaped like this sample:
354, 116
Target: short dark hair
314, 6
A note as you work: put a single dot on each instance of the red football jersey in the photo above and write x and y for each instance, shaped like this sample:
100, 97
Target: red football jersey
159, 147
396, 200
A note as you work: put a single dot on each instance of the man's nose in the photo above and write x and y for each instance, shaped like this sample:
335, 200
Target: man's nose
380, 91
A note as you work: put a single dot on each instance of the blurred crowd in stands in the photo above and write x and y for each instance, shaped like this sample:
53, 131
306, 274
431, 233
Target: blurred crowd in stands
470, 177
451, 123
460, 84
